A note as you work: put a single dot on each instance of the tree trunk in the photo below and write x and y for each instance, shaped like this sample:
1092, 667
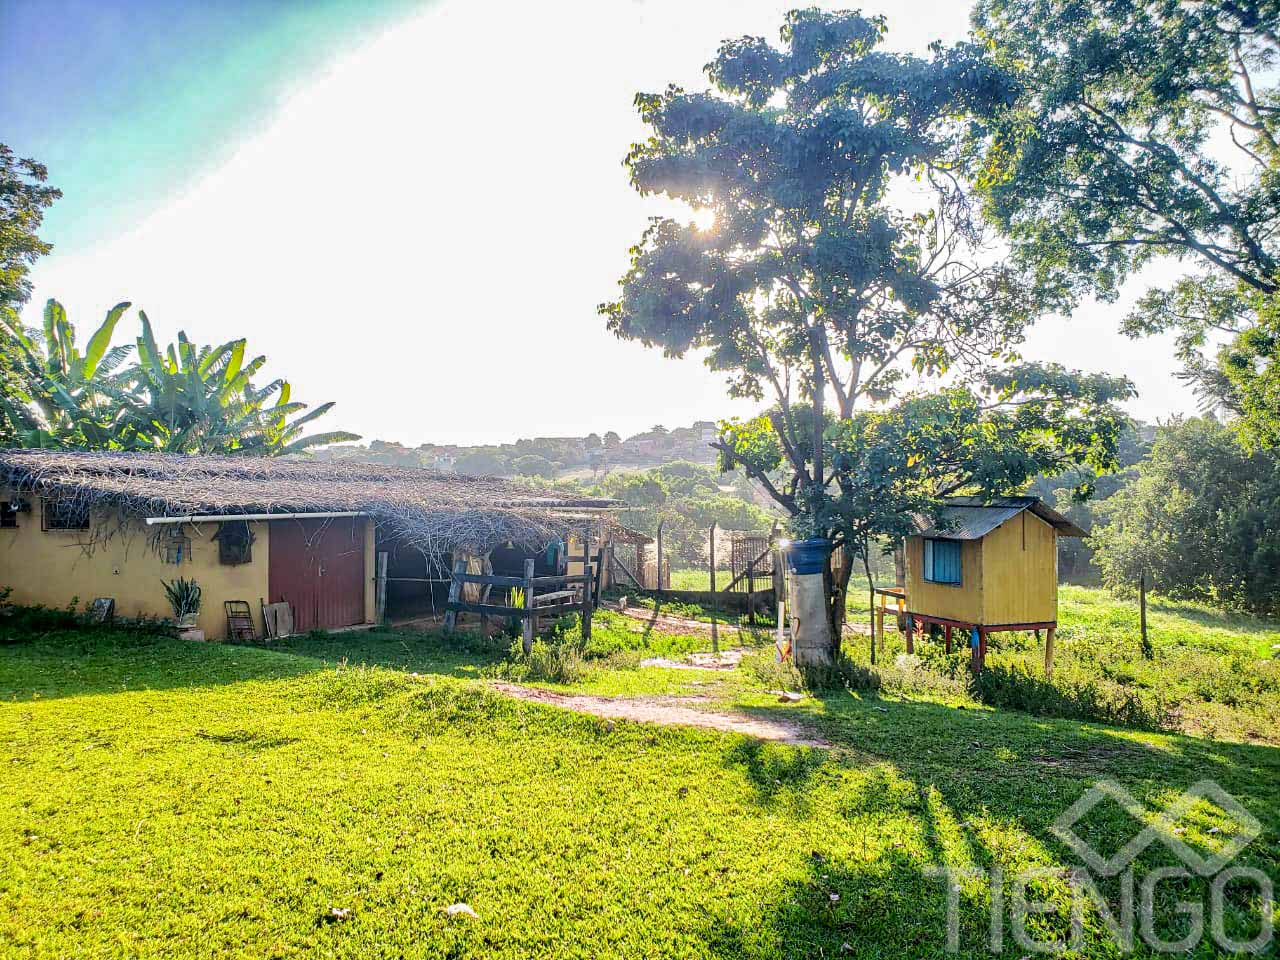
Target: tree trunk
837, 584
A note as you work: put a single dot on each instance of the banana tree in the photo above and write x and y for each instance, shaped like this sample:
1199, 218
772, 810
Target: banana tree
201, 399
62, 397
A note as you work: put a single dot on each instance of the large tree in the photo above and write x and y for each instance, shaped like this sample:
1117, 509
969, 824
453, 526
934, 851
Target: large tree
1147, 128
24, 196
814, 286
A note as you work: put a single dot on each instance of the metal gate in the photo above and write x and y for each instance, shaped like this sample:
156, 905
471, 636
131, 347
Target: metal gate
317, 567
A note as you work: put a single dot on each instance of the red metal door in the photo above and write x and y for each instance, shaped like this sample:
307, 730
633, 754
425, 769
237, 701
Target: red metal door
317, 566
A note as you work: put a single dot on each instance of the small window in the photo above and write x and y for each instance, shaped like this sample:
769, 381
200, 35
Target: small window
8, 515
942, 561
235, 543
64, 514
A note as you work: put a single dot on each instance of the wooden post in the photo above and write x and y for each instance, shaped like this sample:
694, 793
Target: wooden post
1049, 636
658, 564
911, 632
1147, 652
588, 603
982, 647
595, 595
751, 606
947, 634
455, 594
715, 636
380, 587
528, 622
640, 565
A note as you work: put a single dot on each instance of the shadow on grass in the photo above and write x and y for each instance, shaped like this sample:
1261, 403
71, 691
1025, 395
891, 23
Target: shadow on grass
775, 772
84, 660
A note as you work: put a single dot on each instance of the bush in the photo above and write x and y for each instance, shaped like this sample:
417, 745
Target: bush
1071, 696
546, 662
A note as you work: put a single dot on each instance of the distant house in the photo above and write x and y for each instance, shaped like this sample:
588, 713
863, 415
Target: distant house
306, 532
987, 566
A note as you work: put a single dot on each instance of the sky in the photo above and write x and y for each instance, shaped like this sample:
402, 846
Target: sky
412, 207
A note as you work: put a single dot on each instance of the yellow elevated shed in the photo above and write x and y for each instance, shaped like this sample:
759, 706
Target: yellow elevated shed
987, 566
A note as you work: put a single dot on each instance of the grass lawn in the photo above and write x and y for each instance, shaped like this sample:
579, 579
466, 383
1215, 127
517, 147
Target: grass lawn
333, 795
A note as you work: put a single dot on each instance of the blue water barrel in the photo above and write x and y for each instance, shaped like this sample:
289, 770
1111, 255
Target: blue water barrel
808, 556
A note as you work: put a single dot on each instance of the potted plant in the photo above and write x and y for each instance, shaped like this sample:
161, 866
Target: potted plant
184, 597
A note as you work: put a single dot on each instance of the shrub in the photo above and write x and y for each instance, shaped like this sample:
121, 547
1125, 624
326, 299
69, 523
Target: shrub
1071, 696
546, 662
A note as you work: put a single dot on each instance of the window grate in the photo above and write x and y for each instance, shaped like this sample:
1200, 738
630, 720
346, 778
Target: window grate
64, 514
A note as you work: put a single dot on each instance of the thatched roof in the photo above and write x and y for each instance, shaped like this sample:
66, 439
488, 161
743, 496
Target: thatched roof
431, 510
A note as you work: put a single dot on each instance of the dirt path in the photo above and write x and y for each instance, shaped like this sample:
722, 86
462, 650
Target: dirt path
670, 713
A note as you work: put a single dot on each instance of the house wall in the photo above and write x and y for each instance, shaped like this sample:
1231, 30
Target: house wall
109, 560
1020, 571
961, 601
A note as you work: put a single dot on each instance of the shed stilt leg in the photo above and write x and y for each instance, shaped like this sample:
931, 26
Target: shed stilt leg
947, 635
911, 635
982, 648
1049, 636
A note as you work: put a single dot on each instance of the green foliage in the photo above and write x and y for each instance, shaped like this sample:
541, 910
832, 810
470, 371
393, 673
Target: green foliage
184, 596
1200, 521
481, 463
62, 398
534, 466
1143, 129
23, 200
548, 661
1066, 493
185, 399
1139, 129
686, 499
1250, 371
1071, 695
813, 283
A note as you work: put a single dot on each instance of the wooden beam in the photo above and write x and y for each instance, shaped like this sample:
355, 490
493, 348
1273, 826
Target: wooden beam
1049, 636
715, 635
529, 622
455, 594
380, 587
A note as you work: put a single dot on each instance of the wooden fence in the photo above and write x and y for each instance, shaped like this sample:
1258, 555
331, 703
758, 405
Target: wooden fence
548, 596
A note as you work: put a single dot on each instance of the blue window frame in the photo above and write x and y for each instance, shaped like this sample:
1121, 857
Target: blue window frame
942, 561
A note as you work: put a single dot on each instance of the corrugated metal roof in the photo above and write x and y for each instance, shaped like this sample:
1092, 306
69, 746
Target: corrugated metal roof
971, 518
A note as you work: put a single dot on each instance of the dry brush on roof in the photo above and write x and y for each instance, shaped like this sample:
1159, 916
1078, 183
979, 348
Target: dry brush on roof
435, 512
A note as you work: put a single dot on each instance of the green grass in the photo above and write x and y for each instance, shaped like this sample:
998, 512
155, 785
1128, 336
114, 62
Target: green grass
170, 799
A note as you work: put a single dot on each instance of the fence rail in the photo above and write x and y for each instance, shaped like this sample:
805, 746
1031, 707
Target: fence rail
562, 598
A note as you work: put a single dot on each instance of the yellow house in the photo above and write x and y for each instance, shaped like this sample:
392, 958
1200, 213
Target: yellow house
313, 534
986, 566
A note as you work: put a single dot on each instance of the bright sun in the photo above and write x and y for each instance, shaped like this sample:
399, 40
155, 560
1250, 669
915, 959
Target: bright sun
704, 218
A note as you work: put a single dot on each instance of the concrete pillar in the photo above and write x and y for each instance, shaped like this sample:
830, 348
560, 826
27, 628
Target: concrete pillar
810, 629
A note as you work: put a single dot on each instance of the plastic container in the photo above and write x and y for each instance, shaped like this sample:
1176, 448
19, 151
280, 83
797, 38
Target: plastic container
808, 556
